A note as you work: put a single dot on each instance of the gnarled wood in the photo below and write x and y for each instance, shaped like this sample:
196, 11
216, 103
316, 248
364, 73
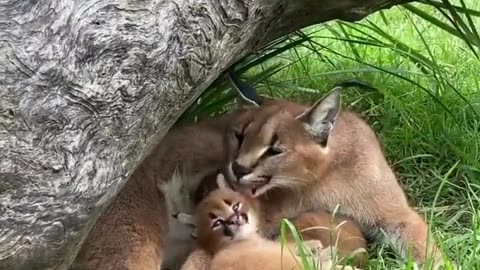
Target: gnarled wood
87, 87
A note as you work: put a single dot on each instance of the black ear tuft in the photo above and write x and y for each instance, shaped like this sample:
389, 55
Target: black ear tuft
246, 93
320, 118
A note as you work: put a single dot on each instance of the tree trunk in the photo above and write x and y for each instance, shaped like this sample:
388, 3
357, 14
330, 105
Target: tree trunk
87, 87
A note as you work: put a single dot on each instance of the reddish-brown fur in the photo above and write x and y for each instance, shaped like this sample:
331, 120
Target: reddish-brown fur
215, 204
247, 249
351, 171
331, 230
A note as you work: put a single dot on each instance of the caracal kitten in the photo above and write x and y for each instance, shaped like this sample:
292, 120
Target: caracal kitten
227, 231
339, 233
296, 158
131, 234
181, 229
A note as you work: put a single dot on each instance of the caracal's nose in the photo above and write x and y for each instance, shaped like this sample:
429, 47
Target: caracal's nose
239, 170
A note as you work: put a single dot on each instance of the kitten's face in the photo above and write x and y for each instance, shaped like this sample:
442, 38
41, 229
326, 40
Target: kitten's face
224, 216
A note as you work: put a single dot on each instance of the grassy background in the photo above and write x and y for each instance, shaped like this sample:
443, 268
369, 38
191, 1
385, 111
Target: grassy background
426, 110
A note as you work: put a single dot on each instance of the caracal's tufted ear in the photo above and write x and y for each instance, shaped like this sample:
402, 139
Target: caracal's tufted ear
320, 119
246, 94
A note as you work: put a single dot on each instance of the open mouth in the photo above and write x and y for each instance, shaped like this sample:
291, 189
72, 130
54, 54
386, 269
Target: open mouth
254, 189
254, 186
232, 228
243, 218
251, 187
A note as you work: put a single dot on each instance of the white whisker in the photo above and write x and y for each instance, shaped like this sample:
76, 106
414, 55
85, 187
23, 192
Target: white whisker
314, 175
291, 182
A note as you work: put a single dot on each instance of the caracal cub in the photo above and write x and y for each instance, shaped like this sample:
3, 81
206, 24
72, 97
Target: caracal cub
340, 234
227, 230
298, 158
132, 233
181, 230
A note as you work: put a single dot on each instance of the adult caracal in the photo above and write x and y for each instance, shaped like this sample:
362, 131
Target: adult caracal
297, 158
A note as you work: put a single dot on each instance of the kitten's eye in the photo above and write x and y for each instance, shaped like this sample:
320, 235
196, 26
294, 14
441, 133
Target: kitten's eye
212, 215
236, 207
217, 223
227, 202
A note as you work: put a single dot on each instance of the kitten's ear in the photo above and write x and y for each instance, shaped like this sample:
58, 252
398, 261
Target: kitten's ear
222, 183
320, 118
246, 94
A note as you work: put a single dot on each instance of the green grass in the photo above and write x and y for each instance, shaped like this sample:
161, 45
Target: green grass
426, 110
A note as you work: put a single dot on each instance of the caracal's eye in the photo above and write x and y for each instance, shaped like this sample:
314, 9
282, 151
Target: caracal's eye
227, 202
217, 223
273, 151
239, 136
236, 207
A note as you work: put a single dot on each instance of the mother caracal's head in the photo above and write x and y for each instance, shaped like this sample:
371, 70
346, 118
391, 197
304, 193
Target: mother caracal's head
276, 144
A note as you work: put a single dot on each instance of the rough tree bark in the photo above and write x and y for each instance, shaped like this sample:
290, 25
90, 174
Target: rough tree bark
86, 87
